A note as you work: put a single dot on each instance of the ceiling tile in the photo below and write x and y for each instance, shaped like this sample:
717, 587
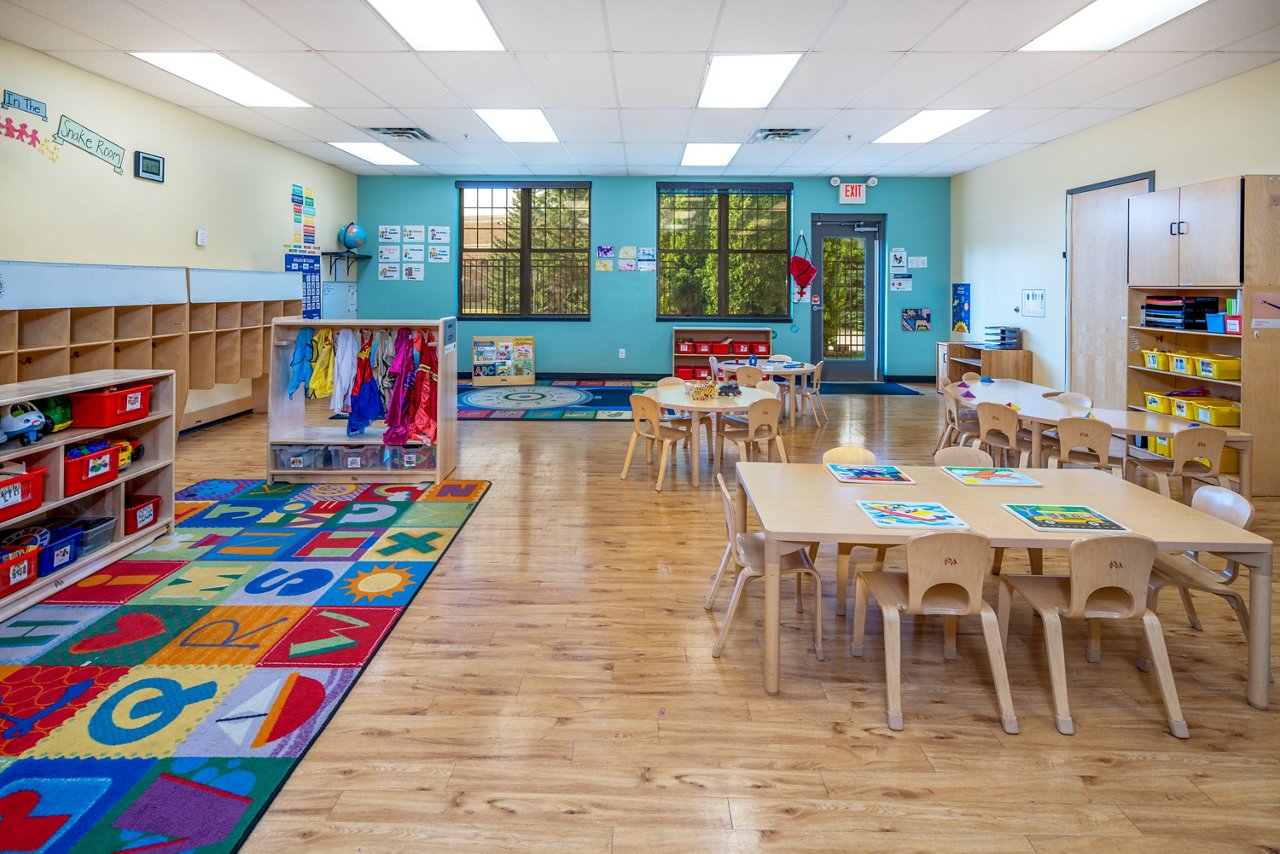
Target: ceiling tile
724, 125
658, 169
986, 154
859, 126
26, 27
486, 153
451, 125
999, 25
586, 125
328, 154
818, 154
919, 79
877, 25
411, 170
333, 24
143, 76
224, 25
570, 25
1214, 25
570, 80
399, 78
251, 122
1063, 124
371, 117
483, 79
307, 76
765, 154
736, 171
933, 153
650, 153
831, 79
1008, 78
659, 79
655, 125
863, 160
1194, 74
794, 28
648, 26
314, 122
1267, 41
115, 23
998, 124
435, 154
596, 153
787, 118
602, 171
1104, 75
537, 154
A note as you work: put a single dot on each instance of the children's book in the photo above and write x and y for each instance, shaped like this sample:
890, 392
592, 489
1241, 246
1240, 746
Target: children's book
867, 474
1051, 518
911, 514
978, 476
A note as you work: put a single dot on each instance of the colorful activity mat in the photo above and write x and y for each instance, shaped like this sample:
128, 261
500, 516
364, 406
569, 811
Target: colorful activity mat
161, 703
551, 400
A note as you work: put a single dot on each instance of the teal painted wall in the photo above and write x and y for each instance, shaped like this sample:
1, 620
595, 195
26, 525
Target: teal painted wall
624, 305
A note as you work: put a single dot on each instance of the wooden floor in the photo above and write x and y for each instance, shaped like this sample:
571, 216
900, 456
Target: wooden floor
552, 688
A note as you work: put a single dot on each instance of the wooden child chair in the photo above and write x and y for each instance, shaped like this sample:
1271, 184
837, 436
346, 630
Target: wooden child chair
811, 393
762, 426
1085, 442
961, 427
998, 431
1197, 455
647, 424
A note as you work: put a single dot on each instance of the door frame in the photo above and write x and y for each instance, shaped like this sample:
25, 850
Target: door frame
875, 290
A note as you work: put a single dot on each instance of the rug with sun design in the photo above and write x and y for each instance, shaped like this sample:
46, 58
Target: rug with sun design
160, 704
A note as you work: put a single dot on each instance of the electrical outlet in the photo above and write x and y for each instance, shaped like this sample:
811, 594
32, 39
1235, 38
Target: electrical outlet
622, 353
202, 237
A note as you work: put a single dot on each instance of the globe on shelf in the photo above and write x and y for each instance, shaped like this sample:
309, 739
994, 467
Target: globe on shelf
351, 236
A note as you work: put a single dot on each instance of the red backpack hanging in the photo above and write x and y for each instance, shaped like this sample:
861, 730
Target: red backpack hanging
800, 267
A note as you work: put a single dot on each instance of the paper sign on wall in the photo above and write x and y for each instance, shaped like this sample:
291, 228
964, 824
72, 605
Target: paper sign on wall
388, 234
438, 255
437, 234
900, 282
918, 261
413, 233
1033, 302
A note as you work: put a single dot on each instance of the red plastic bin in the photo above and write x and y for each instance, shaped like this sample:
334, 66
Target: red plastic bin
140, 511
761, 349
110, 407
721, 348
684, 347
17, 569
703, 348
21, 493
91, 470
701, 373
684, 373
742, 348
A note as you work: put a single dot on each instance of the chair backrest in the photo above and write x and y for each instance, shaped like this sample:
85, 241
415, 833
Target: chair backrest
951, 405
715, 367
645, 415
1089, 434
1109, 576
1073, 398
730, 518
971, 377
997, 418
780, 356
749, 376
1223, 504
962, 455
666, 381
1199, 443
817, 376
762, 418
849, 455
945, 572
769, 387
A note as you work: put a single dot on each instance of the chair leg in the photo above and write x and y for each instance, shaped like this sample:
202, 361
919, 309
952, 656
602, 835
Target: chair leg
1164, 674
648, 453
799, 593
1162, 481
715, 583
1094, 651
817, 615
731, 611
1057, 672
1003, 598
662, 464
818, 397
949, 637
860, 593
893, 665
942, 440
999, 673
880, 553
782, 452
631, 449
1192, 618
843, 553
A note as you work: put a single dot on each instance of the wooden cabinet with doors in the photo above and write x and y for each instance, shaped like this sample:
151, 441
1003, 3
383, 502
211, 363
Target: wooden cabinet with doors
958, 358
1187, 235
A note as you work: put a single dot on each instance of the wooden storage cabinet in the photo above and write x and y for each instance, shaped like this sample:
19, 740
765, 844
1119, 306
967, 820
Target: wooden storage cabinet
302, 430
152, 475
961, 357
1186, 235
759, 337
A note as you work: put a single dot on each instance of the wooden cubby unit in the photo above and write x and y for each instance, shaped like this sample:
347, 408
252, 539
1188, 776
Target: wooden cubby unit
133, 322
228, 314
134, 355
152, 475
92, 325
41, 364
227, 356
203, 356
44, 328
297, 423
8, 368
251, 315
168, 320
92, 357
961, 357
8, 331
203, 317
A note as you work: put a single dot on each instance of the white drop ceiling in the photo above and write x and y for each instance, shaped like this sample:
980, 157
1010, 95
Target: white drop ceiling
618, 79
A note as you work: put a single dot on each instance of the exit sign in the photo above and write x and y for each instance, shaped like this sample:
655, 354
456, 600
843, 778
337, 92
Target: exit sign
853, 194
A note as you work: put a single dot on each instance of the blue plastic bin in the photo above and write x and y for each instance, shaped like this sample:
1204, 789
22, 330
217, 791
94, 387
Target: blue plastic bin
59, 547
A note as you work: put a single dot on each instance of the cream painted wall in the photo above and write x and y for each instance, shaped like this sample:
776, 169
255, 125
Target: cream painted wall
77, 209
1008, 219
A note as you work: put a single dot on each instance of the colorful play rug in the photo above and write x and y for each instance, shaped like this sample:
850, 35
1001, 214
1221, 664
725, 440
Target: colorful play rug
551, 400
160, 704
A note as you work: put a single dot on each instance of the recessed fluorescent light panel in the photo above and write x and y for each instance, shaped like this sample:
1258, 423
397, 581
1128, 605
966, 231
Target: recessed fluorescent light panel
223, 77
745, 81
1105, 24
709, 153
519, 125
928, 125
440, 24
375, 153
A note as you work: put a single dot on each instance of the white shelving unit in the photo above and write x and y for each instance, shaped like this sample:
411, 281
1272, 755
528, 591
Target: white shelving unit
152, 475
299, 424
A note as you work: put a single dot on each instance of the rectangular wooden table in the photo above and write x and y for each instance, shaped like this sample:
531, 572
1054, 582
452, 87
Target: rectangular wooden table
803, 503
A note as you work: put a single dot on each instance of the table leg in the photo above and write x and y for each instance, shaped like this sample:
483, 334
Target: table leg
1245, 452
772, 615
791, 401
695, 451
843, 552
1259, 626
1037, 444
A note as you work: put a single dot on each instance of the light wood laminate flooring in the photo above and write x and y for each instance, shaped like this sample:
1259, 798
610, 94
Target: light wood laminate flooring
552, 688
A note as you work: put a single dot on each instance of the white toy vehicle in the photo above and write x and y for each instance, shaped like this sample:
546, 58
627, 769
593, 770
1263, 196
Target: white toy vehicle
22, 420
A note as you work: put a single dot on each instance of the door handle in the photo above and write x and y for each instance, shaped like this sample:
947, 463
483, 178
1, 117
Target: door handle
1173, 229
1182, 227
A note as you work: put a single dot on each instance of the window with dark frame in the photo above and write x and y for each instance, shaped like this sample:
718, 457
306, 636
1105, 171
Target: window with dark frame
723, 250
525, 250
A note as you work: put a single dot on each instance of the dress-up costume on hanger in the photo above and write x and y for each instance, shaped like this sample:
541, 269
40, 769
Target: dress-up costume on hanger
345, 349
366, 401
401, 373
321, 382
300, 364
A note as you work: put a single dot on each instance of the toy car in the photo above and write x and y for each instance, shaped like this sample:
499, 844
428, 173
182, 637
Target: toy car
131, 450
57, 414
22, 420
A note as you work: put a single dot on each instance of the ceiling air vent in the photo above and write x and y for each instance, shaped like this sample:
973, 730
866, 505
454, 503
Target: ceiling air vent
417, 134
781, 134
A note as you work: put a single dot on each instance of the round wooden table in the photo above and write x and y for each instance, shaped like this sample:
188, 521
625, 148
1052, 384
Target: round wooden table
776, 369
675, 397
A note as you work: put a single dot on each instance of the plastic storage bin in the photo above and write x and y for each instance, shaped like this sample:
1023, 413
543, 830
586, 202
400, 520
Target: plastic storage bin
1185, 407
1218, 367
761, 349
59, 547
1157, 360
355, 457
419, 457
20, 493
1216, 323
18, 568
701, 373
84, 473
742, 348
685, 347
684, 373
1183, 363
1219, 414
1162, 446
140, 511
1232, 324
1157, 402
301, 457
722, 348
94, 532
110, 407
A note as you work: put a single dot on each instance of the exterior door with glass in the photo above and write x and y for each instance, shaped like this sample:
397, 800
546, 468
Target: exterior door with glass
846, 327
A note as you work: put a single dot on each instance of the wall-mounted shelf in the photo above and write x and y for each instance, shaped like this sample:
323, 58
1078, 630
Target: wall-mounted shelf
348, 256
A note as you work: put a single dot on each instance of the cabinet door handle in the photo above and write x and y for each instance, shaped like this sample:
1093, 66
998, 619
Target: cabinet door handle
1173, 229
1182, 227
